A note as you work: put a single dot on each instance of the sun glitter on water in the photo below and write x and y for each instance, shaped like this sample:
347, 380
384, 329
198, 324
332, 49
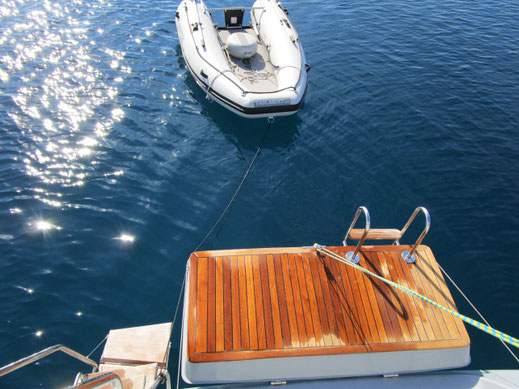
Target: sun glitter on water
126, 238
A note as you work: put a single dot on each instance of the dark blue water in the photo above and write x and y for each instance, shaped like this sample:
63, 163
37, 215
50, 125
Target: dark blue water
113, 166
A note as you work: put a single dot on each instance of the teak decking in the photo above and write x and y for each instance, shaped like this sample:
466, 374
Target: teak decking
286, 302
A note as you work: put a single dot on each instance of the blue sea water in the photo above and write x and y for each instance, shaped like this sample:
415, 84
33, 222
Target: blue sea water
113, 165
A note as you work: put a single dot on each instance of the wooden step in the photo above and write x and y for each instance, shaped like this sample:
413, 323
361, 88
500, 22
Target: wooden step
133, 382
138, 345
376, 234
150, 371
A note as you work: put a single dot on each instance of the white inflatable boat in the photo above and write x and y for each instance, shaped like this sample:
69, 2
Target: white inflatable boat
255, 70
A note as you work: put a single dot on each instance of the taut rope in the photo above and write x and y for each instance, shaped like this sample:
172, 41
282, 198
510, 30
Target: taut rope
489, 330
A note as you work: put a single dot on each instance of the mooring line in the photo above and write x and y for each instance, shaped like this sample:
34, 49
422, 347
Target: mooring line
270, 121
476, 310
489, 330
96, 347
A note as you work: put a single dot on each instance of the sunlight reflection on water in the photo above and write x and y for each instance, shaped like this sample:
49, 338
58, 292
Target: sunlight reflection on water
58, 104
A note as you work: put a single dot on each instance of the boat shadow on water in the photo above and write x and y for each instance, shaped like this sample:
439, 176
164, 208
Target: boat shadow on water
243, 133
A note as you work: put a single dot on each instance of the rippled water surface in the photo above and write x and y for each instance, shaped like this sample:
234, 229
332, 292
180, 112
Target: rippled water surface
113, 165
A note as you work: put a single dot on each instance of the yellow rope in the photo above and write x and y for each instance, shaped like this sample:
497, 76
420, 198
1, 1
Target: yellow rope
489, 330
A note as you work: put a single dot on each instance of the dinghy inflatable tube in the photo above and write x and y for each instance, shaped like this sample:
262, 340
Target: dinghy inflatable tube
213, 62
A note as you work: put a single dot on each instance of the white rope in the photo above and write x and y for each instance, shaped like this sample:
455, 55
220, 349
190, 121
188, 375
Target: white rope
96, 347
173, 326
178, 302
180, 353
476, 310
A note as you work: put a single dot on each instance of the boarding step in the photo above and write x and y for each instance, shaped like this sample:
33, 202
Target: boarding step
376, 234
138, 345
368, 233
132, 382
136, 356
148, 371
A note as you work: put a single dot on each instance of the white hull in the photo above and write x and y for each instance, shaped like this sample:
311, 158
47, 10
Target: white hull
457, 379
271, 83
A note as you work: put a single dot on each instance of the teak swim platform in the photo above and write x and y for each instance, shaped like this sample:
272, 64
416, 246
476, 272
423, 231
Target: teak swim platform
290, 313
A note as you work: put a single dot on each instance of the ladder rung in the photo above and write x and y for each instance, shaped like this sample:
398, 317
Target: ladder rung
376, 234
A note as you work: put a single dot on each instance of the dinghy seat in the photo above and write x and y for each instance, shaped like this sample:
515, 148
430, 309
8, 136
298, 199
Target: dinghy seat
241, 45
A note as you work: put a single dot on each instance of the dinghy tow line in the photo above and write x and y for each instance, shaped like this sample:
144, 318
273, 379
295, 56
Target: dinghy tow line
270, 120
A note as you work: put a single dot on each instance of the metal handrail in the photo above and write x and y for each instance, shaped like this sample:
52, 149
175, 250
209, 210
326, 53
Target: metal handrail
42, 354
354, 256
409, 255
102, 381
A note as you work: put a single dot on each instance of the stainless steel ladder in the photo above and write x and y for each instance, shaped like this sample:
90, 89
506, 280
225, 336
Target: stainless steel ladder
383, 234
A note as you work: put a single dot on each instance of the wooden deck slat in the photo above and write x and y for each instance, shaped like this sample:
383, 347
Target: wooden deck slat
211, 305
372, 301
282, 302
385, 293
455, 324
219, 306
262, 335
418, 304
398, 300
449, 300
305, 301
449, 325
416, 327
276, 320
443, 320
267, 306
235, 301
192, 311
426, 291
261, 304
361, 326
321, 305
346, 318
298, 305
328, 303
372, 264
292, 318
201, 303
227, 304
368, 309
244, 314
251, 305
316, 321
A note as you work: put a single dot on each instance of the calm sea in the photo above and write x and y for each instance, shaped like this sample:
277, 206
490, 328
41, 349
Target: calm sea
113, 165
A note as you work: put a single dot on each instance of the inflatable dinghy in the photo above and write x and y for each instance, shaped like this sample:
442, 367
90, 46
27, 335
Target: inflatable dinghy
254, 70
